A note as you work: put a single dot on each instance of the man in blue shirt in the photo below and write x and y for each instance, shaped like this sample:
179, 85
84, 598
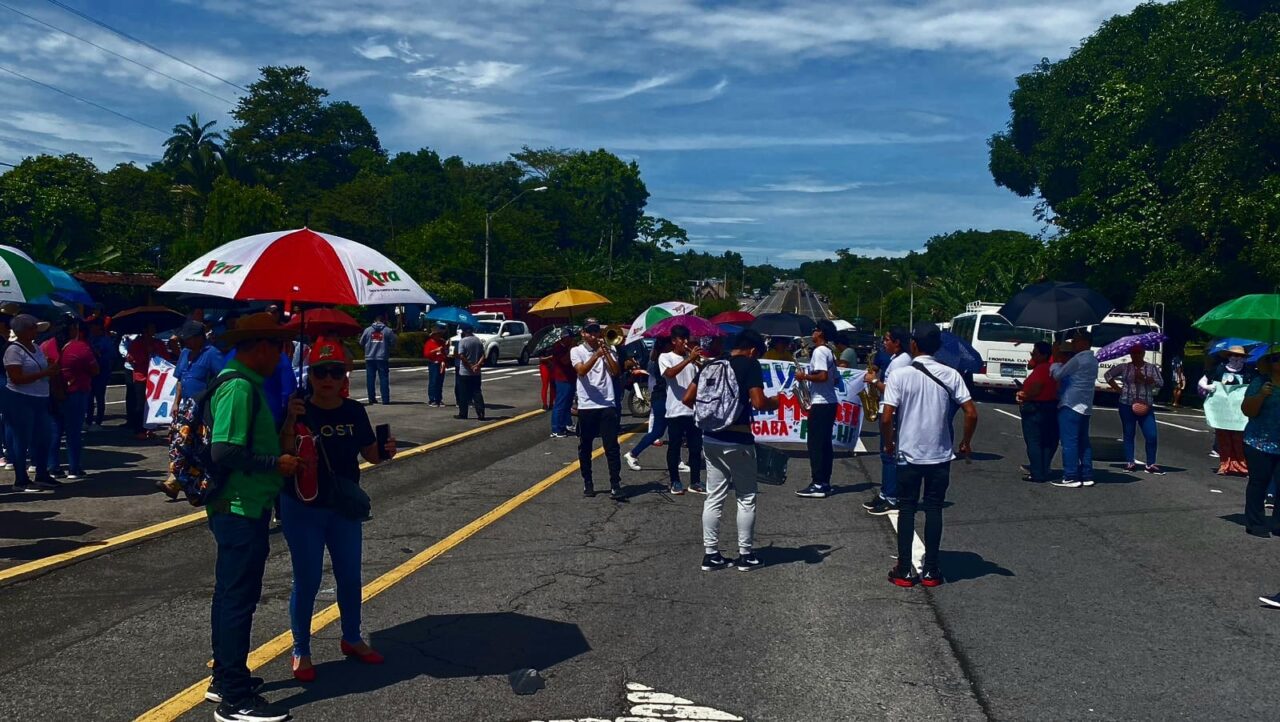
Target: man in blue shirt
198, 363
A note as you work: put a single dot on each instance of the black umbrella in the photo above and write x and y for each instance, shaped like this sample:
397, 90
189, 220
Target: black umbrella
135, 320
1056, 306
784, 324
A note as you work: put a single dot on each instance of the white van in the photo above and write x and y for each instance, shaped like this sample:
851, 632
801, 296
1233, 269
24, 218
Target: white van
1116, 326
1005, 348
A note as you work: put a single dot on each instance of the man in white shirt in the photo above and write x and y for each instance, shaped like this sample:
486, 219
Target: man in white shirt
916, 429
679, 367
822, 375
596, 365
896, 343
1076, 379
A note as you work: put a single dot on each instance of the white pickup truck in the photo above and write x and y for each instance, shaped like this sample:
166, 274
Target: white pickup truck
502, 339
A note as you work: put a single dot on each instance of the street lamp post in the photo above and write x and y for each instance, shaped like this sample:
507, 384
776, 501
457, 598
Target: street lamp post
488, 219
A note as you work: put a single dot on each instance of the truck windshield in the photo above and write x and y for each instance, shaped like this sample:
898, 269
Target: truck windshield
1105, 333
995, 328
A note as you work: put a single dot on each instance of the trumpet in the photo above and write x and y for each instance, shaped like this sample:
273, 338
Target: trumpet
870, 397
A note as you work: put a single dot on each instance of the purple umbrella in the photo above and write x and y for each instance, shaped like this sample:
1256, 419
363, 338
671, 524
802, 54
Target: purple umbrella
1122, 346
698, 327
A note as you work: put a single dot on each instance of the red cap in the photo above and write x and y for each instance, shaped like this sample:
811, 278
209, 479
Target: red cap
327, 351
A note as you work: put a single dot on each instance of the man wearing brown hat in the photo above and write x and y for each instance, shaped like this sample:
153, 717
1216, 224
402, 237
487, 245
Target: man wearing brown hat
245, 442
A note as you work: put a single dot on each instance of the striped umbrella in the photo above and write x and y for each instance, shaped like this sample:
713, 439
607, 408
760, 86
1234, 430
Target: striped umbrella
654, 314
20, 279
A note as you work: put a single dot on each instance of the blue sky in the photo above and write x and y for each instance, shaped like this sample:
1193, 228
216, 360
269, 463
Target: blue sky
781, 129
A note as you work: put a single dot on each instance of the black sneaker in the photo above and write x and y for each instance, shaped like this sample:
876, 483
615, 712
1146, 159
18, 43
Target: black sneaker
1270, 503
813, 491
746, 562
932, 577
588, 492
1273, 602
871, 503
903, 579
30, 488
698, 489
880, 507
712, 562
616, 494
253, 709
213, 695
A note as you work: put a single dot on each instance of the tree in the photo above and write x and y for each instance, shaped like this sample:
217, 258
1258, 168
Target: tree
141, 217
1154, 149
194, 154
49, 206
235, 211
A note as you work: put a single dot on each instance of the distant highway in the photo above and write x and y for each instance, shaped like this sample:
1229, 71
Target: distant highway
794, 297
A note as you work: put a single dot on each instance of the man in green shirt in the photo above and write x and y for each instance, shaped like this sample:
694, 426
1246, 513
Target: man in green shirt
245, 441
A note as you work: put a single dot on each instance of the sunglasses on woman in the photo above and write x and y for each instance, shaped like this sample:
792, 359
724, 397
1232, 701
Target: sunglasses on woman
328, 372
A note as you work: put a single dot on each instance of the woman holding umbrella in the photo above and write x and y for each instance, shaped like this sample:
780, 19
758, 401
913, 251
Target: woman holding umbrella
1139, 382
1227, 420
436, 353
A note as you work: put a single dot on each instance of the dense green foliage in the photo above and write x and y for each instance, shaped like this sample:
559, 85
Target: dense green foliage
1154, 150
296, 158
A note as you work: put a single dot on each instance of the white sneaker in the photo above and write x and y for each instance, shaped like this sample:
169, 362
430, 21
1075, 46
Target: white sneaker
1087, 482
1067, 483
632, 462
72, 476
683, 467
8, 467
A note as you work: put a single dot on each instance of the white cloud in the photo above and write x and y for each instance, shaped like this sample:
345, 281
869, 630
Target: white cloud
643, 85
734, 141
107, 145
473, 75
374, 49
800, 185
716, 220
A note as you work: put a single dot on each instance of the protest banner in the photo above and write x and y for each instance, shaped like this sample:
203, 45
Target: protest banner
162, 387
789, 424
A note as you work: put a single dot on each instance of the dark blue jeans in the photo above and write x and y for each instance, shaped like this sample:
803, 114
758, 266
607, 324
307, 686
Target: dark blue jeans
380, 369
561, 410
1131, 423
68, 419
822, 422
98, 400
659, 406
888, 475
683, 429
309, 530
1077, 450
435, 384
934, 478
29, 422
243, 545
1040, 433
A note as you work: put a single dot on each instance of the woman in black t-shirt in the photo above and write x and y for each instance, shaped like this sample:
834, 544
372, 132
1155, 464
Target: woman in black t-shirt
310, 518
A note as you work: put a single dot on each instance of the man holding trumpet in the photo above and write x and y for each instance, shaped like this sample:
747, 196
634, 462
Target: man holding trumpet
596, 366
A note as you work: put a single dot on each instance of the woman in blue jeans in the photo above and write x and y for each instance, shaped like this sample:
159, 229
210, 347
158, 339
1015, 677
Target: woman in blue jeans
1138, 383
27, 396
657, 405
312, 515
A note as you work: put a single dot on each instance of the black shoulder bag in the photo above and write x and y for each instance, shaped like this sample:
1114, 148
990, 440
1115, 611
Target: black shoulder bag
348, 499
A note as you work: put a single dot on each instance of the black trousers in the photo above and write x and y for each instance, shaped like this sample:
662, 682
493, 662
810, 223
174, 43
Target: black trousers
243, 546
135, 405
684, 429
1263, 469
822, 422
466, 391
604, 424
1040, 433
934, 478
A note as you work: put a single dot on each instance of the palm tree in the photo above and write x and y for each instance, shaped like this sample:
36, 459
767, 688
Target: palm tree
189, 139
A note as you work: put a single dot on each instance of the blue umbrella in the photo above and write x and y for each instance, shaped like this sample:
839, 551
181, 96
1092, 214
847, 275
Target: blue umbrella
452, 314
958, 354
1226, 343
65, 288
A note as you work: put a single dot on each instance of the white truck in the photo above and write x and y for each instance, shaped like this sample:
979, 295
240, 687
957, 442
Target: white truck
502, 339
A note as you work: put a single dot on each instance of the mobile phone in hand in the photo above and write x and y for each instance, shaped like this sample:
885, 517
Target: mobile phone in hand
383, 432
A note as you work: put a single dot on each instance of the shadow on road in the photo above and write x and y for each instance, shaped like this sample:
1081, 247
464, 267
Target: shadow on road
809, 554
444, 647
962, 566
38, 525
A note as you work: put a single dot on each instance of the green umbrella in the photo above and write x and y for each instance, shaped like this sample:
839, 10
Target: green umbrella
20, 279
1254, 316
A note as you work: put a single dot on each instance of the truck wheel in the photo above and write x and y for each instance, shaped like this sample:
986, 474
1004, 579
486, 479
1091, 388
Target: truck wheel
493, 357
524, 358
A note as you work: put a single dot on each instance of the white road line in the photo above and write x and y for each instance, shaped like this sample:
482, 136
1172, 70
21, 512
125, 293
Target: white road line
1006, 413
1184, 428
917, 545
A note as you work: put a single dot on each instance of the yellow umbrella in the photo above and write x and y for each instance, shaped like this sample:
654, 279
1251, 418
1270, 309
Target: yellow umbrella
568, 302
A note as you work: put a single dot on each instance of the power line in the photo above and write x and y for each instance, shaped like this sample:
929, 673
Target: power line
73, 96
144, 43
9, 165
118, 55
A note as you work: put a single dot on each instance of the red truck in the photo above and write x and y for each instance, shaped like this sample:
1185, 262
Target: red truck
512, 309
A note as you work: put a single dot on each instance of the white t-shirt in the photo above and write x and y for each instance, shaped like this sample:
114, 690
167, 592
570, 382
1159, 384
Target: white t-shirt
924, 410
678, 385
823, 392
32, 362
595, 390
901, 360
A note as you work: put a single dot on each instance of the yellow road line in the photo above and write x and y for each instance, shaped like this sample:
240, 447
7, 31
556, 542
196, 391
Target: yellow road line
191, 697
92, 549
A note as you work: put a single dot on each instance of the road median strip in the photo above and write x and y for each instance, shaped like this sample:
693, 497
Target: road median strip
191, 697
90, 550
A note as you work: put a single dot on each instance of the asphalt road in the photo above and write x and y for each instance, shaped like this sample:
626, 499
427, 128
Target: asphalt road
1133, 599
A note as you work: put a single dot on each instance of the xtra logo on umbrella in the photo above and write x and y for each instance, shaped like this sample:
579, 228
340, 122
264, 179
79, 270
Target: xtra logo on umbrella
217, 267
379, 278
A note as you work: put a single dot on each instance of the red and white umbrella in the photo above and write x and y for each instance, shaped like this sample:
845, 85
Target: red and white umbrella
300, 266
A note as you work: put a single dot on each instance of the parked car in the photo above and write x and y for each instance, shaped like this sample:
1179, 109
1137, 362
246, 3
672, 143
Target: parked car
502, 340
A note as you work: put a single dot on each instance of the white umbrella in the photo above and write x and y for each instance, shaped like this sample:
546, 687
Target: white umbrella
656, 313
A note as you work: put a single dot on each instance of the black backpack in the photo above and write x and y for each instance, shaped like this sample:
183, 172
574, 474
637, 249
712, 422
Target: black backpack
191, 443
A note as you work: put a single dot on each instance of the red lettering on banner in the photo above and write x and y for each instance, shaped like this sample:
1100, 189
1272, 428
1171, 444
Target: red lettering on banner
788, 402
155, 383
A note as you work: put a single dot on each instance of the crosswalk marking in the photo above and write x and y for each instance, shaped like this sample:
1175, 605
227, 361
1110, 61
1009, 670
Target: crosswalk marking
648, 703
